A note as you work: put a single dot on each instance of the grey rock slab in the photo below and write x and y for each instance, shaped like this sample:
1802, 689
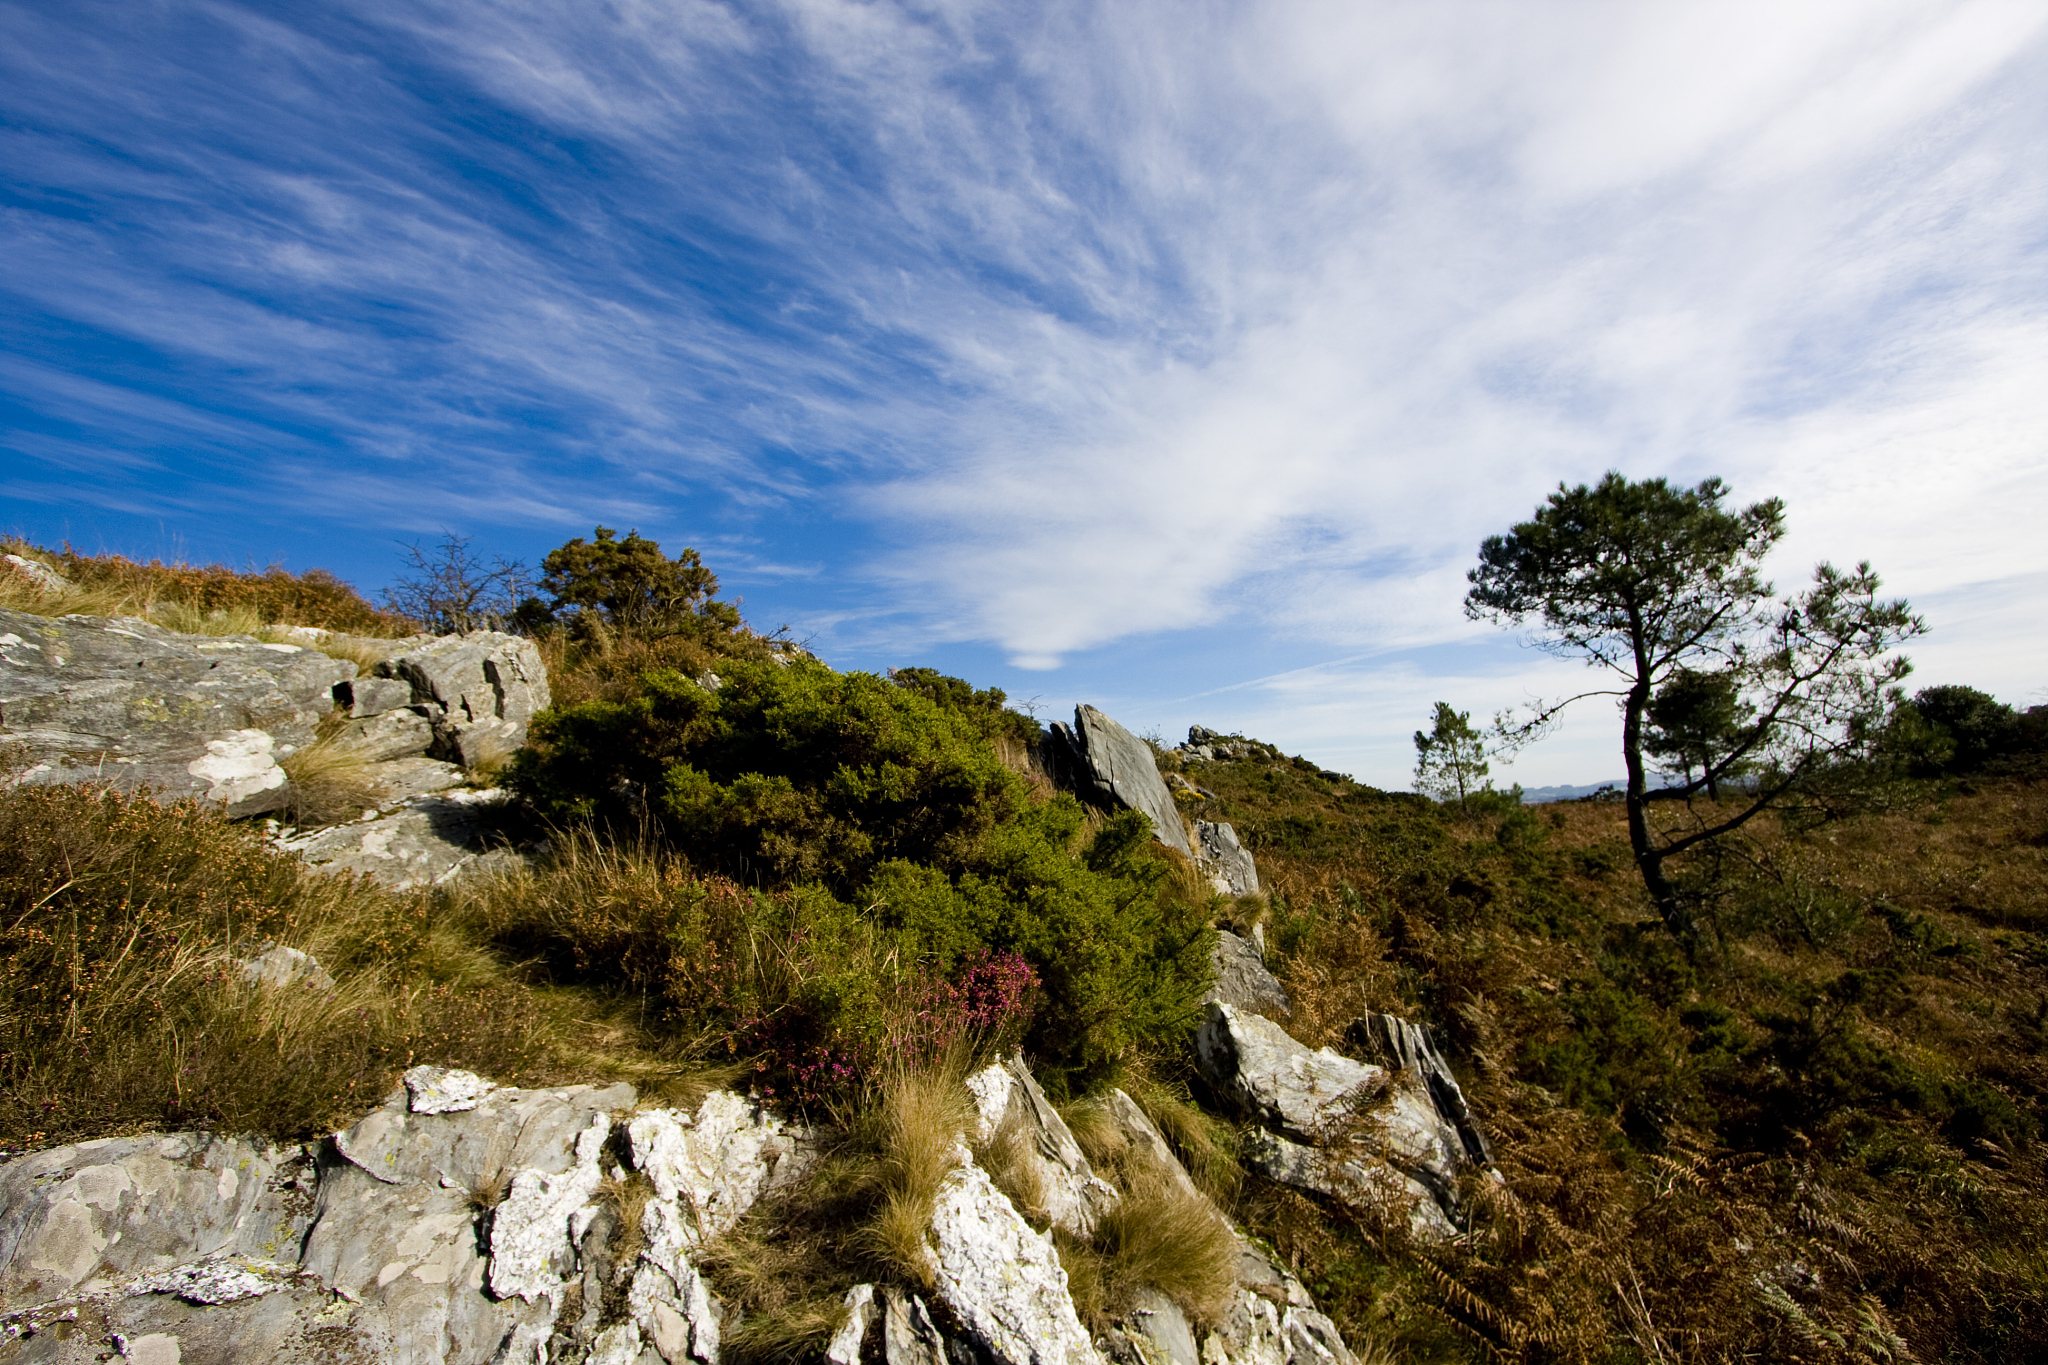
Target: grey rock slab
1008, 1103
1001, 1280
368, 697
1137, 1129
386, 735
1242, 980
1102, 762
1228, 862
423, 842
300, 1323
396, 781
81, 1218
1159, 1331
120, 700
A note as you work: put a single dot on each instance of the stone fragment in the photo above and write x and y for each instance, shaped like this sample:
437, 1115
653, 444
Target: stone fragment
225, 1279
857, 1316
438, 1090
1242, 980
1355, 1178
1228, 862
1107, 765
278, 966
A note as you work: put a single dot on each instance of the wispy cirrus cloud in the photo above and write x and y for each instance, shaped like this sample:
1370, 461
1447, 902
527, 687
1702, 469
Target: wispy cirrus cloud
1051, 327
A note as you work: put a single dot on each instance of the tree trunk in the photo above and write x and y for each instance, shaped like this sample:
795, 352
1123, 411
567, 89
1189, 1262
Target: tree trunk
1649, 858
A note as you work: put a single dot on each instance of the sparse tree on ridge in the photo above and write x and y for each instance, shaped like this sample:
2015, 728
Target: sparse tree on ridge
1450, 759
1663, 588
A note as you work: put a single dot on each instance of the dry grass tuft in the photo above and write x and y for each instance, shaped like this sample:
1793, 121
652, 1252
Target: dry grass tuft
331, 782
1164, 1236
1013, 1164
920, 1115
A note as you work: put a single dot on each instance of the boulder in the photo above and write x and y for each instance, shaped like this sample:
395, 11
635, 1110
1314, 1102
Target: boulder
1228, 863
1010, 1108
479, 691
86, 698
1342, 1127
424, 841
1107, 765
1242, 980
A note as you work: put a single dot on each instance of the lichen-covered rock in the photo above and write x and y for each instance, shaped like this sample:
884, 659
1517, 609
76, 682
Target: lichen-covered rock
858, 1317
1000, 1279
1010, 1105
1228, 862
122, 701
717, 1162
1107, 765
1299, 1091
82, 1218
1355, 1176
439, 1090
1242, 980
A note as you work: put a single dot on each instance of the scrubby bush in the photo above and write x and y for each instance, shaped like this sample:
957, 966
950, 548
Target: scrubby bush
894, 814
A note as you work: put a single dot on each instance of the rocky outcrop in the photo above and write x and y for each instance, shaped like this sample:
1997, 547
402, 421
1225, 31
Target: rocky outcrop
1355, 1132
40, 576
1001, 1279
1228, 862
1242, 980
458, 1222
87, 698
477, 692
1107, 765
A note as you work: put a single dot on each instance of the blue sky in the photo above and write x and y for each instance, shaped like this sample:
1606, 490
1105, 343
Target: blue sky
1173, 357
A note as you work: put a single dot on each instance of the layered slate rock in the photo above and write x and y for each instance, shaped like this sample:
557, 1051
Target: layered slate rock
1347, 1129
1408, 1047
1107, 765
86, 698
478, 692
1011, 1108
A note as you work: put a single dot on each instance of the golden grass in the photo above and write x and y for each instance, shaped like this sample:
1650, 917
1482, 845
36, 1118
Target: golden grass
921, 1115
1163, 1236
331, 782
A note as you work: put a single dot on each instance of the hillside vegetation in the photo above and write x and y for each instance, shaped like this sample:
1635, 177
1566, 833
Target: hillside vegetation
1819, 1136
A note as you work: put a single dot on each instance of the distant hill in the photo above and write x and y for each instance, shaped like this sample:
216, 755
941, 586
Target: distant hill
1536, 796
